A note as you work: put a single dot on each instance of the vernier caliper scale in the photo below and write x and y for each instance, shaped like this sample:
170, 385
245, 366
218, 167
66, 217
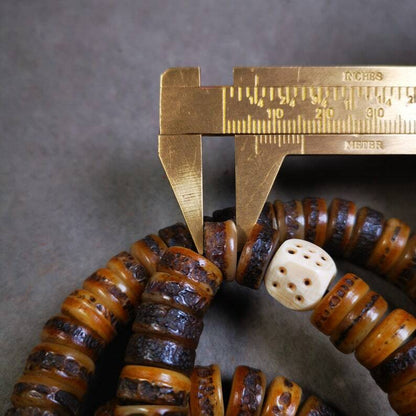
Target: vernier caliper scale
275, 112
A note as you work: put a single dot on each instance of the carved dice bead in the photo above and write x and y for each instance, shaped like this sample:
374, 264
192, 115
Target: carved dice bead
299, 274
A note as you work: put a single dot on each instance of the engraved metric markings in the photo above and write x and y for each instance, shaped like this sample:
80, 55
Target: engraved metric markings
319, 110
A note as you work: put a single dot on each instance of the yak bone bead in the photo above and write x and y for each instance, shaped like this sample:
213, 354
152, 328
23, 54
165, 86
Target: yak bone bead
247, 392
150, 410
283, 398
403, 400
299, 274
177, 235
385, 338
398, 369
153, 385
341, 220
290, 219
206, 391
220, 246
316, 407
332, 309
149, 250
316, 219
255, 255
390, 246
359, 322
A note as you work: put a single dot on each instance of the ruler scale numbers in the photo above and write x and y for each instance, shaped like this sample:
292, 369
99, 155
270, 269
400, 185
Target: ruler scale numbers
275, 112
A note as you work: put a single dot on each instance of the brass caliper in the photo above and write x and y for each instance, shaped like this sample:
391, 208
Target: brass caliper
275, 112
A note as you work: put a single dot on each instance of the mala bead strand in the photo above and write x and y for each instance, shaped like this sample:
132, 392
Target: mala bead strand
161, 352
283, 398
58, 370
206, 397
220, 246
247, 392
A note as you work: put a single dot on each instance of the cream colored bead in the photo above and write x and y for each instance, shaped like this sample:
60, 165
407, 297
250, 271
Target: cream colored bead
299, 274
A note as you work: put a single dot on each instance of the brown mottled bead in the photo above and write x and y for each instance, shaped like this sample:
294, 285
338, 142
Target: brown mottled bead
405, 268
290, 219
206, 397
316, 407
175, 290
149, 250
341, 219
150, 410
385, 338
367, 231
61, 363
411, 288
183, 262
403, 400
255, 256
316, 219
177, 235
131, 271
168, 321
398, 369
390, 246
152, 385
220, 246
40, 391
333, 308
106, 409
65, 330
83, 306
358, 323
282, 399
268, 216
112, 292
157, 352
247, 392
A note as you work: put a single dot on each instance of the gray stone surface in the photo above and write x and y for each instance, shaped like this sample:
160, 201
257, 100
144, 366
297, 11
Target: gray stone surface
80, 178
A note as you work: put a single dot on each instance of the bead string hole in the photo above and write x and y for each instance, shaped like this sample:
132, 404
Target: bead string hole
318, 264
323, 258
282, 270
298, 245
275, 284
305, 256
307, 282
291, 286
291, 251
299, 298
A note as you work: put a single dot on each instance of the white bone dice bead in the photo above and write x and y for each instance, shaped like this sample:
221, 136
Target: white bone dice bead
299, 274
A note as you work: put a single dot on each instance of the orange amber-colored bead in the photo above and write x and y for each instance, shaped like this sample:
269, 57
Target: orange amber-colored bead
358, 323
247, 392
385, 338
403, 400
316, 219
290, 220
333, 308
390, 246
206, 392
283, 398
149, 250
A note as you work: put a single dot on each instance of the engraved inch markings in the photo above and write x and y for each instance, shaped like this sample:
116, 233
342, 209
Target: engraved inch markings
281, 141
319, 110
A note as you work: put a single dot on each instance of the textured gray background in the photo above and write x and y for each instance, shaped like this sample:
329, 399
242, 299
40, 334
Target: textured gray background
80, 177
